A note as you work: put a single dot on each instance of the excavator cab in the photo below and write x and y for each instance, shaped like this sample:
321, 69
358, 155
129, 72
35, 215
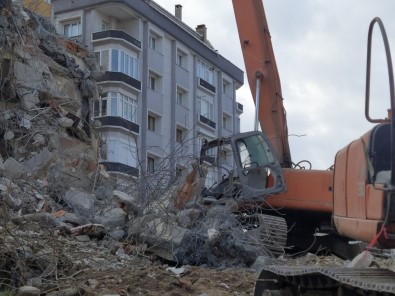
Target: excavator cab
364, 176
258, 172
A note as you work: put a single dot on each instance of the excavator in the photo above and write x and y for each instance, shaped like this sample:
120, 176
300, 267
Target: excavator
354, 200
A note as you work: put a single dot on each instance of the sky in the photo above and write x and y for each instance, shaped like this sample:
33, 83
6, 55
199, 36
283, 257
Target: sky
320, 48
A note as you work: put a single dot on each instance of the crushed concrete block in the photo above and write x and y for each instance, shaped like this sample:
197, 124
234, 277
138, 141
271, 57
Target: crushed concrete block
13, 169
362, 260
126, 202
38, 140
29, 99
67, 292
39, 161
112, 219
117, 234
28, 291
81, 202
65, 122
83, 238
14, 202
30, 76
186, 218
9, 184
70, 218
43, 219
19, 51
164, 237
8, 135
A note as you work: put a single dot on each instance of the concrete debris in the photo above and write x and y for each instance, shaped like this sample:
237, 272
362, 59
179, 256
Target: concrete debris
112, 219
13, 169
39, 162
28, 291
362, 260
65, 122
9, 135
81, 202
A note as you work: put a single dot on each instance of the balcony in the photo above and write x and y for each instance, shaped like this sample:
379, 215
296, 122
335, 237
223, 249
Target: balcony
121, 77
114, 121
203, 83
116, 34
117, 167
207, 121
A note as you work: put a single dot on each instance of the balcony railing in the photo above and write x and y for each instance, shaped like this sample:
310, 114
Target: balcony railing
119, 122
121, 77
117, 167
207, 121
116, 34
206, 85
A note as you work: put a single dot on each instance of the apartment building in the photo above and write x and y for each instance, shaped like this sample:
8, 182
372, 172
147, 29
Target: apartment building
165, 89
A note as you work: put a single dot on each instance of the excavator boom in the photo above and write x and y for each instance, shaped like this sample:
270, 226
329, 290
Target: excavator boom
258, 54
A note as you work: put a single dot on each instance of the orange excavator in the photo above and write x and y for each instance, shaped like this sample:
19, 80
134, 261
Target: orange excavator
354, 200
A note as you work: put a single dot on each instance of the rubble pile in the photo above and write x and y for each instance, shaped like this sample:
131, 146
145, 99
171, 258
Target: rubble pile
61, 213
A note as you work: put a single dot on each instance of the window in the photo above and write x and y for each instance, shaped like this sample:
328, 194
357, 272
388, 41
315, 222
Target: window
151, 123
206, 107
102, 58
179, 97
181, 58
226, 121
179, 135
152, 82
72, 29
125, 63
226, 88
152, 42
150, 165
205, 71
122, 150
100, 107
105, 26
116, 104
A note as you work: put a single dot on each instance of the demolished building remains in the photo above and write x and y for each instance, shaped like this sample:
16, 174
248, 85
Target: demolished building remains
55, 194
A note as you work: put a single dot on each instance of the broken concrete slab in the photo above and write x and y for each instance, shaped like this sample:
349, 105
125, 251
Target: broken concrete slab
112, 219
186, 218
38, 162
29, 98
164, 237
81, 202
28, 291
44, 219
8, 135
362, 260
65, 122
13, 169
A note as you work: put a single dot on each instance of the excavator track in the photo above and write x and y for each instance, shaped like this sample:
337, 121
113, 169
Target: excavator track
314, 280
270, 233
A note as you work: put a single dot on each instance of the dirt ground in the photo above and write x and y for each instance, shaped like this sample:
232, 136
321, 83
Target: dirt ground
160, 280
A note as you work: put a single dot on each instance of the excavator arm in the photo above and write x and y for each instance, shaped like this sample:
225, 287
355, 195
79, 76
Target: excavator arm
262, 74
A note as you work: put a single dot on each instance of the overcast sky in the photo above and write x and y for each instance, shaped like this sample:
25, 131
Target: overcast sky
320, 48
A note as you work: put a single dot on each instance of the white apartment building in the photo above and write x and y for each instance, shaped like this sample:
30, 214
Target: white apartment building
165, 87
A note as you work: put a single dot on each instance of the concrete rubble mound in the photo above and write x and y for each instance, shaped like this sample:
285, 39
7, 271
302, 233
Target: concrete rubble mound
61, 213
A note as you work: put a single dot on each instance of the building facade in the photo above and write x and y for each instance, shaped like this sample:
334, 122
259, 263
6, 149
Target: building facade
165, 88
